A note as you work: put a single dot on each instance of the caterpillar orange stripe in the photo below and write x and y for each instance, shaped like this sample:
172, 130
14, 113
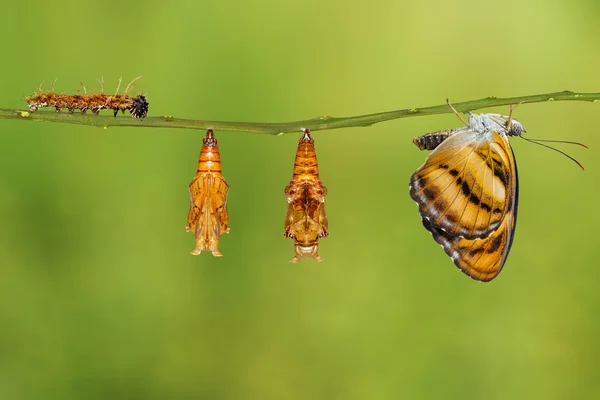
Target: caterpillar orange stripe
306, 222
208, 217
137, 106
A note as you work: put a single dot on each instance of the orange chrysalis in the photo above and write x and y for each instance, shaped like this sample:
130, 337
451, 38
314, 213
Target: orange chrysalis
306, 221
208, 216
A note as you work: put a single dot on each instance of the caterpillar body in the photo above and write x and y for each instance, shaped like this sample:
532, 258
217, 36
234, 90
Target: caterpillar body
137, 106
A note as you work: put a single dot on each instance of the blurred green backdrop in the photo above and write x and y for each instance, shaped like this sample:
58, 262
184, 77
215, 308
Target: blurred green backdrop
100, 299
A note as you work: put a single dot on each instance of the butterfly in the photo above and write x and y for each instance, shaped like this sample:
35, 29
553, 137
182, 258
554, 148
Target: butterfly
467, 192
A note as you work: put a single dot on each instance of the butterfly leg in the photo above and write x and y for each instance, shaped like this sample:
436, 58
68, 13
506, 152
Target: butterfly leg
510, 113
456, 112
514, 127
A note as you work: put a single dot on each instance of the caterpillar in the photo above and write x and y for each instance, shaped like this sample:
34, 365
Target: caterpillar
137, 106
208, 216
306, 222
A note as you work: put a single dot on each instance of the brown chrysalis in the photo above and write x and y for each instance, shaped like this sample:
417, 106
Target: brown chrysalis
208, 216
306, 222
137, 106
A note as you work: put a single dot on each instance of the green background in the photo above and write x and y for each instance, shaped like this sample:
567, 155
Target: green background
100, 298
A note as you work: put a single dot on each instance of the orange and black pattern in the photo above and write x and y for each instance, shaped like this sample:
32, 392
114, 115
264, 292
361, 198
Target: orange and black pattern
137, 106
306, 222
208, 217
467, 192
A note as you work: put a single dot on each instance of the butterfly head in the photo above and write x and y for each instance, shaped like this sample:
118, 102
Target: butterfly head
515, 128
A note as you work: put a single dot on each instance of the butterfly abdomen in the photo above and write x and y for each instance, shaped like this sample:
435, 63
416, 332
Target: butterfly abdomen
430, 141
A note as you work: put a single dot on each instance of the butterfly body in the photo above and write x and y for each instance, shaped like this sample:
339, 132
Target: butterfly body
467, 192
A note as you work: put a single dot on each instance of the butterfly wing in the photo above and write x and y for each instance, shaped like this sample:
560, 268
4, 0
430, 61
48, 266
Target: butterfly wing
481, 259
465, 186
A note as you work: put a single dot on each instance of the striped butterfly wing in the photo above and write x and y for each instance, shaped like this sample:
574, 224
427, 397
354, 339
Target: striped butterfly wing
481, 259
466, 186
496, 180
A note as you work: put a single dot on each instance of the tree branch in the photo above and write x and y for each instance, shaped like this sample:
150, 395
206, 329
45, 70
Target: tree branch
315, 124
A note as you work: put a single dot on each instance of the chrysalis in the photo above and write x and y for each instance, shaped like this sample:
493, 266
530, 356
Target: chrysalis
208, 216
306, 222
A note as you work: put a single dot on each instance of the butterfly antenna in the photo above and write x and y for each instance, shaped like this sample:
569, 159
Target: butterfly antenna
537, 141
559, 141
456, 112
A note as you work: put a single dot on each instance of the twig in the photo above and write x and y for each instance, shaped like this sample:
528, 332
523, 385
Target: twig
315, 124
